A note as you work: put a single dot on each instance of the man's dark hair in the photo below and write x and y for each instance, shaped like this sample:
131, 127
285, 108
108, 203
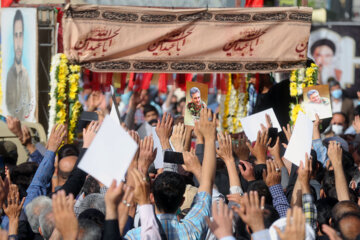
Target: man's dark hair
262, 190
68, 150
93, 215
345, 116
323, 42
183, 99
270, 215
22, 175
168, 190
324, 207
91, 186
357, 111
328, 183
342, 208
18, 17
149, 108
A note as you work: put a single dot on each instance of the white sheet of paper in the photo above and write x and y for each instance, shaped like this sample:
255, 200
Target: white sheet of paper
300, 141
252, 123
113, 113
159, 160
110, 153
144, 130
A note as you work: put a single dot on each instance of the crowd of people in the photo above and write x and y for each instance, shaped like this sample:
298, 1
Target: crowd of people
228, 188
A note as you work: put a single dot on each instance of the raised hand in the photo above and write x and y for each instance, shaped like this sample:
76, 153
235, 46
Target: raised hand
147, 154
199, 136
241, 149
287, 131
248, 172
26, 137
163, 130
207, 127
304, 173
65, 219
14, 206
112, 199
135, 100
335, 153
142, 188
273, 176
14, 126
221, 225
250, 211
295, 225
316, 132
225, 147
4, 189
178, 137
234, 197
260, 148
192, 163
330, 232
124, 207
58, 134
90, 132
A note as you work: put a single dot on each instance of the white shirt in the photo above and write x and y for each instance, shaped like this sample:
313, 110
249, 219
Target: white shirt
336, 106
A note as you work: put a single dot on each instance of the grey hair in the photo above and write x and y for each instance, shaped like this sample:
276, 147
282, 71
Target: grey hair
194, 90
34, 209
311, 92
47, 223
94, 200
88, 230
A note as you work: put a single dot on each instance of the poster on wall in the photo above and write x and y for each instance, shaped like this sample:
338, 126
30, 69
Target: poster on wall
19, 63
336, 50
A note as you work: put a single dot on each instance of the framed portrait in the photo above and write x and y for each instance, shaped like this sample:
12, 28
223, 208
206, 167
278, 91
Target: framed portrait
196, 99
317, 100
19, 63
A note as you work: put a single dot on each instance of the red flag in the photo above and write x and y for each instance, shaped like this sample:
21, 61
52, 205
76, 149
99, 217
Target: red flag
7, 3
162, 85
181, 80
146, 80
254, 3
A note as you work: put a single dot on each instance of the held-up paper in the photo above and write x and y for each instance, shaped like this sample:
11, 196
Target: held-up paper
252, 123
159, 160
300, 141
110, 153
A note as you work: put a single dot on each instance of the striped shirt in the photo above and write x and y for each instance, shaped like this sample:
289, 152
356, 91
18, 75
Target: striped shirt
193, 226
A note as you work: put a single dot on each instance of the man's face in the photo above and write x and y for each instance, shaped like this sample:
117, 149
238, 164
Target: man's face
315, 98
18, 40
338, 119
195, 98
152, 115
323, 55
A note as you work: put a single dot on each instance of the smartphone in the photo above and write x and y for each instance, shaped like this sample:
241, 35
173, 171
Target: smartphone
273, 134
173, 157
86, 118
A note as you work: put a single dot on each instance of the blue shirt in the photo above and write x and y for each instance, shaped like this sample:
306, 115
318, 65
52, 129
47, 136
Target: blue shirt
42, 178
193, 226
279, 200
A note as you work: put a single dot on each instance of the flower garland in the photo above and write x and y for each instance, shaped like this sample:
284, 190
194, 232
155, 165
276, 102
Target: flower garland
233, 106
64, 87
299, 79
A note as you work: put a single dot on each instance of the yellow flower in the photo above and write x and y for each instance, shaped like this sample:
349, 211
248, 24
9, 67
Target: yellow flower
303, 85
310, 71
293, 77
313, 65
293, 92
72, 95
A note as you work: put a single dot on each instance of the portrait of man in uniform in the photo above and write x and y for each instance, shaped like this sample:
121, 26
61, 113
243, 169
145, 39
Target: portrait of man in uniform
19, 98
